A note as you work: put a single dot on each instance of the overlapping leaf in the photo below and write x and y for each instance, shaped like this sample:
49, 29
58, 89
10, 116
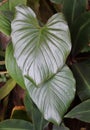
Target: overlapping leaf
82, 74
57, 1
40, 51
6, 89
15, 124
81, 112
72, 9
12, 66
54, 96
81, 34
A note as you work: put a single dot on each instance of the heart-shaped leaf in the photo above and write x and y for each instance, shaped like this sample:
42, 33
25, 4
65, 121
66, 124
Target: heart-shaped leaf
54, 96
15, 124
81, 112
40, 51
12, 66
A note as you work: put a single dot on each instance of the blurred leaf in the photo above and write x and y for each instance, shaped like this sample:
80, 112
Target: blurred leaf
15, 124
5, 90
81, 112
19, 112
5, 24
57, 1
61, 127
40, 51
81, 72
14, 3
73, 9
81, 34
10, 5
12, 67
54, 96
33, 112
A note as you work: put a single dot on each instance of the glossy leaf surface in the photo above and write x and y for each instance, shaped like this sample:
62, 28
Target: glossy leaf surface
15, 124
6, 89
54, 96
81, 112
12, 66
81, 72
40, 51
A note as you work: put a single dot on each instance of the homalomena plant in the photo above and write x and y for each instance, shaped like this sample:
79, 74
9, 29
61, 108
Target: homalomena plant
40, 55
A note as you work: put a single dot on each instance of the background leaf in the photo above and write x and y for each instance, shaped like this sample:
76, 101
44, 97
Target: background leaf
81, 34
34, 114
81, 112
12, 66
72, 9
57, 1
61, 127
5, 24
14, 124
5, 90
54, 96
40, 51
81, 72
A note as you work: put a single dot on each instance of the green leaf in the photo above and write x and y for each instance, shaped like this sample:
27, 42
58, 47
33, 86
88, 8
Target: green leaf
61, 127
54, 96
72, 9
81, 34
14, 3
81, 72
81, 112
14, 124
40, 51
5, 90
10, 5
5, 24
57, 1
12, 66
34, 114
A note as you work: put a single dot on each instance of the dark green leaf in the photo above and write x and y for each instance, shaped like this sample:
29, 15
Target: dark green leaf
34, 114
72, 9
5, 24
14, 124
81, 112
54, 96
12, 67
81, 34
57, 1
81, 71
40, 51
